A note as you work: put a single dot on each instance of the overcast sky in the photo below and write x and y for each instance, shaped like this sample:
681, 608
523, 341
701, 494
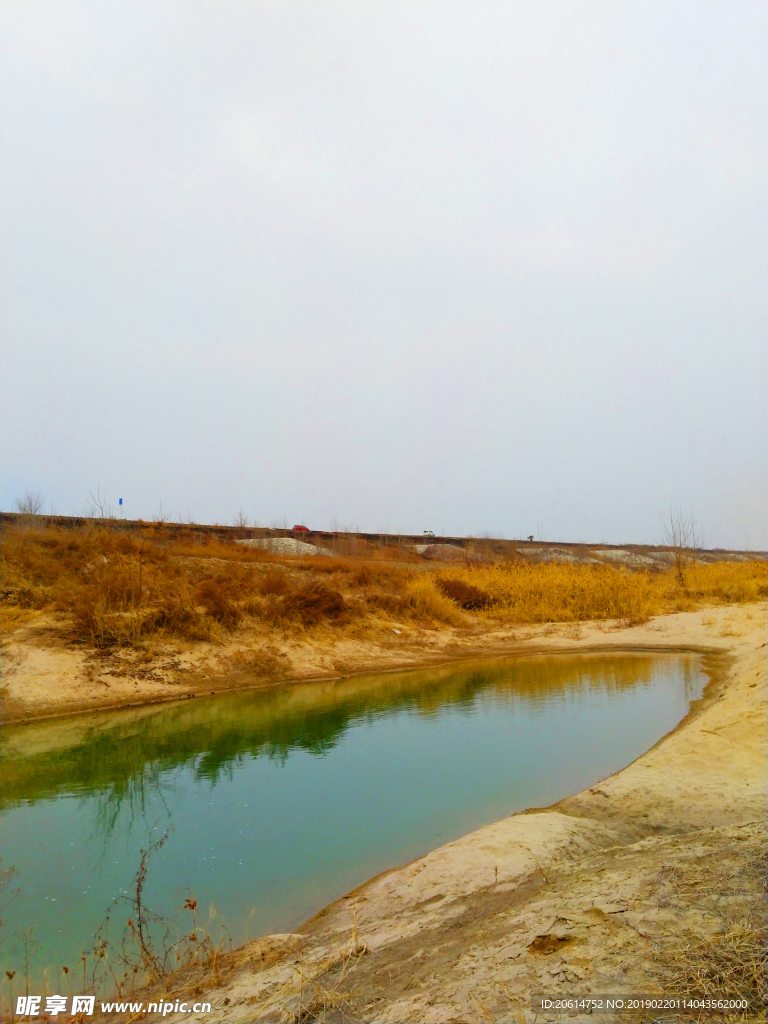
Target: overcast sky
470, 267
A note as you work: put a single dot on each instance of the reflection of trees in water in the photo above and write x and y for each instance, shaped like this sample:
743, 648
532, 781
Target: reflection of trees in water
132, 800
127, 760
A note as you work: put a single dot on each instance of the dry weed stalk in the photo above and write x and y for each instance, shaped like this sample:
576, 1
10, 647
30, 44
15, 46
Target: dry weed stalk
147, 953
317, 999
318, 988
733, 962
731, 966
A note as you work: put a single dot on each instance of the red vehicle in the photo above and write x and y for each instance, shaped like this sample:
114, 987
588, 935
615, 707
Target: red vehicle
301, 529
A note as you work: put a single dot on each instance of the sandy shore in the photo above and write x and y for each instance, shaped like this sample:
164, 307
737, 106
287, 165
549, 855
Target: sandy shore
607, 891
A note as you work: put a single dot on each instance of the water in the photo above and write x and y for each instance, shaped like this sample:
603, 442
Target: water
282, 800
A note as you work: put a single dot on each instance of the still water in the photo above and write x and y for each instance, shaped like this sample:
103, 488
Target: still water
280, 801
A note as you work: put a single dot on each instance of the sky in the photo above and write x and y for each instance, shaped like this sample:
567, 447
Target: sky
484, 268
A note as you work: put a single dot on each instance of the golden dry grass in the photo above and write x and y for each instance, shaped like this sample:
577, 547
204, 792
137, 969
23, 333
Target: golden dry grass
115, 588
515, 592
424, 598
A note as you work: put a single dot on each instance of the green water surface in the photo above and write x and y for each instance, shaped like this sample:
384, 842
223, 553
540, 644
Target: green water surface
281, 800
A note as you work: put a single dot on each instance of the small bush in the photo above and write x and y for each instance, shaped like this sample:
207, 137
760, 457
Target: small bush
275, 582
252, 606
218, 602
178, 618
314, 602
93, 623
464, 594
425, 600
259, 663
29, 597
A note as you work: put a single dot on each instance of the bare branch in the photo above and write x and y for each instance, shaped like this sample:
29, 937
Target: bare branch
97, 506
31, 504
682, 534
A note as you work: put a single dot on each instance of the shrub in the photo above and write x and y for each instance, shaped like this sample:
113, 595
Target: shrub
464, 594
363, 576
216, 598
178, 618
275, 582
93, 623
314, 602
29, 597
425, 600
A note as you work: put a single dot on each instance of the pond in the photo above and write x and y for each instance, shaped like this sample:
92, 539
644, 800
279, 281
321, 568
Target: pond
279, 801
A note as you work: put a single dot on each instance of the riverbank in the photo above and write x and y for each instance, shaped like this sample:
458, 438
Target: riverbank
97, 619
45, 677
642, 883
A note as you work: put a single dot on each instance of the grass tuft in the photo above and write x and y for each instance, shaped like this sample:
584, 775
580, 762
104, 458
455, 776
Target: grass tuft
314, 602
466, 595
425, 600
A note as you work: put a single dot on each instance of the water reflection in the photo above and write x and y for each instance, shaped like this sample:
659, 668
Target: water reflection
124, 754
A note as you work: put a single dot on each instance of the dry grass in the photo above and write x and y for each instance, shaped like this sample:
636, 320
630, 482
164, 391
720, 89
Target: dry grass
464, 594
319, 1000
731, 963
424, 598
117, 589
309, 604
730, 966
551, 592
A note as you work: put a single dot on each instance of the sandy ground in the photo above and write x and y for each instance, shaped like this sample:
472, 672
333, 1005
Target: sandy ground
605, 892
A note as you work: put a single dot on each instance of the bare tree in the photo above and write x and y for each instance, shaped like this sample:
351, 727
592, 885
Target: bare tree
161, 516
241, 519
31, 504
681, 532
97, 507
